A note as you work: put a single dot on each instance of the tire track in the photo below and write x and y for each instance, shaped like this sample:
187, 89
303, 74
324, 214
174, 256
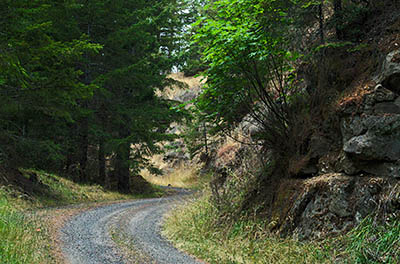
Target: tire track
86, 238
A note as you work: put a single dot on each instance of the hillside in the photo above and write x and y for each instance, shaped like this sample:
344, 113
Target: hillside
328, 170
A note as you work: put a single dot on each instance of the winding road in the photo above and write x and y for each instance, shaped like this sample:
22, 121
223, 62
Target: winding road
92, 237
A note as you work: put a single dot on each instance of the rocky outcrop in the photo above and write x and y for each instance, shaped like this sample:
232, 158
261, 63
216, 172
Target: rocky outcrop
372, 137
365, 177
334, 203
371, 132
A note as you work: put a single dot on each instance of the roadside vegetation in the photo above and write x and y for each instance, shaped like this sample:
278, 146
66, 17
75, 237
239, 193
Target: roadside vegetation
183, 177
197, 229
23, 239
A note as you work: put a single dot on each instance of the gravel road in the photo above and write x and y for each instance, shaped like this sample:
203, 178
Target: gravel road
86, 238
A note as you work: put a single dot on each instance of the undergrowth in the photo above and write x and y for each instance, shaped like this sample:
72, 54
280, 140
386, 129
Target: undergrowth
63, 191
195, 228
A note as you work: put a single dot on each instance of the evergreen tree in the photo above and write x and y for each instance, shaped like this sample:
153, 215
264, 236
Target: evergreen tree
139, 40
39, 87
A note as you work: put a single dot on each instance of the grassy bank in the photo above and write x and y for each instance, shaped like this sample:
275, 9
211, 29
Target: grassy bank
22, 238
195, 229
26, 231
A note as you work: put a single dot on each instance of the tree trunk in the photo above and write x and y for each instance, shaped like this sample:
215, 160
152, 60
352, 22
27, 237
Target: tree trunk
102, 164
122, 172
321, 22
84, 145
337, 8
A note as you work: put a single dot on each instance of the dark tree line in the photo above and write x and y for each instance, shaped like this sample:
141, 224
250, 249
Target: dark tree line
78, 81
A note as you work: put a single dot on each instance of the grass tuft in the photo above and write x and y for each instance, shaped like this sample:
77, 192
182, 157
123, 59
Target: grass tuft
375, 243
21, 237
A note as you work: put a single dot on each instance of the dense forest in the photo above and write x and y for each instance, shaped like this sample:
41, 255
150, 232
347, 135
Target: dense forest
78, 82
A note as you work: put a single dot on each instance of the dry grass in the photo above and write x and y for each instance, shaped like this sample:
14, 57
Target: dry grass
190, 83
227, 154
183, 176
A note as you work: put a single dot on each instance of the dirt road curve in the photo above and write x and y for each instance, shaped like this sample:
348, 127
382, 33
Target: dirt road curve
87, 238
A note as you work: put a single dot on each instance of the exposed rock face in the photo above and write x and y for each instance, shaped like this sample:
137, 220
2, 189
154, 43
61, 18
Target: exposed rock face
371, 133
372, 137
334, 203
367, 178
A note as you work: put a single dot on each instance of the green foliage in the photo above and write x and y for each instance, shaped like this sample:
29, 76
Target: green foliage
240, 50
190, 53
251, 71
196, 135
40, 84
140, 40
350, 19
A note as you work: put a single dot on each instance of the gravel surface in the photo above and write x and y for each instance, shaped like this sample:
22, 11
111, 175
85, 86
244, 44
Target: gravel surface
86, 238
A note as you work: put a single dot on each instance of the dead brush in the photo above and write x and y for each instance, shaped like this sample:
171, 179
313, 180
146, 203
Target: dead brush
297, 163
227, 154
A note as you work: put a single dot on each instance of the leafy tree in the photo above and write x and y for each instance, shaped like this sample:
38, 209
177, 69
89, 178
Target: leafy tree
246, 49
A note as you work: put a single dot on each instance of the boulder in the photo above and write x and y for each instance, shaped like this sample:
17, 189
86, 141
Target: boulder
389, 75
381, 94
346, 165
372, 137
385, 169
378, 95
352, 127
